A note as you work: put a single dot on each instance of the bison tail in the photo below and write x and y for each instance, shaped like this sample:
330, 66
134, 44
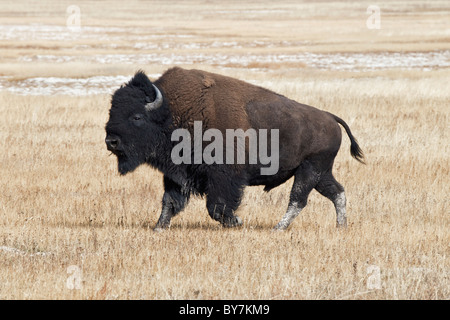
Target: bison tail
355, 150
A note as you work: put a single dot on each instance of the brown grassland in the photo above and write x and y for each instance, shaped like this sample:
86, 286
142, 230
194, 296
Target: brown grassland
67, 215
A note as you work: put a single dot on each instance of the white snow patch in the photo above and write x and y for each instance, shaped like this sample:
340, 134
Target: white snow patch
65, 86
325, 61
23, 253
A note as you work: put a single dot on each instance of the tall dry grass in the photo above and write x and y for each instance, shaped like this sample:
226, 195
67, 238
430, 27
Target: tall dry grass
63, 197
66, 214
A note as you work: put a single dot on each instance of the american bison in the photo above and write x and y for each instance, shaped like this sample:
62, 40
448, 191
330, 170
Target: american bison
145, 116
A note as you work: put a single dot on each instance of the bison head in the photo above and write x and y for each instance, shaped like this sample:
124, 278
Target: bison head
136, 122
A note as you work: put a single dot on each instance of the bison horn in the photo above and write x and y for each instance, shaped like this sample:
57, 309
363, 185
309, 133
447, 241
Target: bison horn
158, 100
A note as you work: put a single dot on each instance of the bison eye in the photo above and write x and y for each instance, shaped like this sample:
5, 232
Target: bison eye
137, 119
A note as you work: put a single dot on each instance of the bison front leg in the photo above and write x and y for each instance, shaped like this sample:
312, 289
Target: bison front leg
220, 211
223, 198
174, 200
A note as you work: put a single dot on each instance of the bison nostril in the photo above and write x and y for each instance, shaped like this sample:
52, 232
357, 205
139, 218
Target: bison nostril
112, 143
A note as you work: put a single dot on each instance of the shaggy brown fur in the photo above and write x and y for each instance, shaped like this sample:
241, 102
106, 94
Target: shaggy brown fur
218, 101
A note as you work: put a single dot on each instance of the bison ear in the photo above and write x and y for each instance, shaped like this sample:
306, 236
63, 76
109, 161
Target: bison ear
141, 81
153, 96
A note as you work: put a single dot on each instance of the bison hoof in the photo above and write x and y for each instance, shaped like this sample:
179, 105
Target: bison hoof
232, 222
278, 228
159, 229
341, 225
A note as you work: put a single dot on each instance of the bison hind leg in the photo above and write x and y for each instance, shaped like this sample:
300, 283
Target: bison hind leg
333, 190
306, 178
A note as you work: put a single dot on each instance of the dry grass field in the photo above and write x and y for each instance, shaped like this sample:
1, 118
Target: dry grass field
72, 228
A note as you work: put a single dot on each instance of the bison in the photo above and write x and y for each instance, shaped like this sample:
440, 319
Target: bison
144, 116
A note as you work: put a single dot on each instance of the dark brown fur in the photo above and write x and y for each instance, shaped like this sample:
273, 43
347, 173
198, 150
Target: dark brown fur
309, 140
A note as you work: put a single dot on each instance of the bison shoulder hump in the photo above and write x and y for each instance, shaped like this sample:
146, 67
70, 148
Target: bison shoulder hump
208, 81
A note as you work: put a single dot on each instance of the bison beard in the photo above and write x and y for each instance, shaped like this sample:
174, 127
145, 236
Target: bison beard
126, 164
144, 115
